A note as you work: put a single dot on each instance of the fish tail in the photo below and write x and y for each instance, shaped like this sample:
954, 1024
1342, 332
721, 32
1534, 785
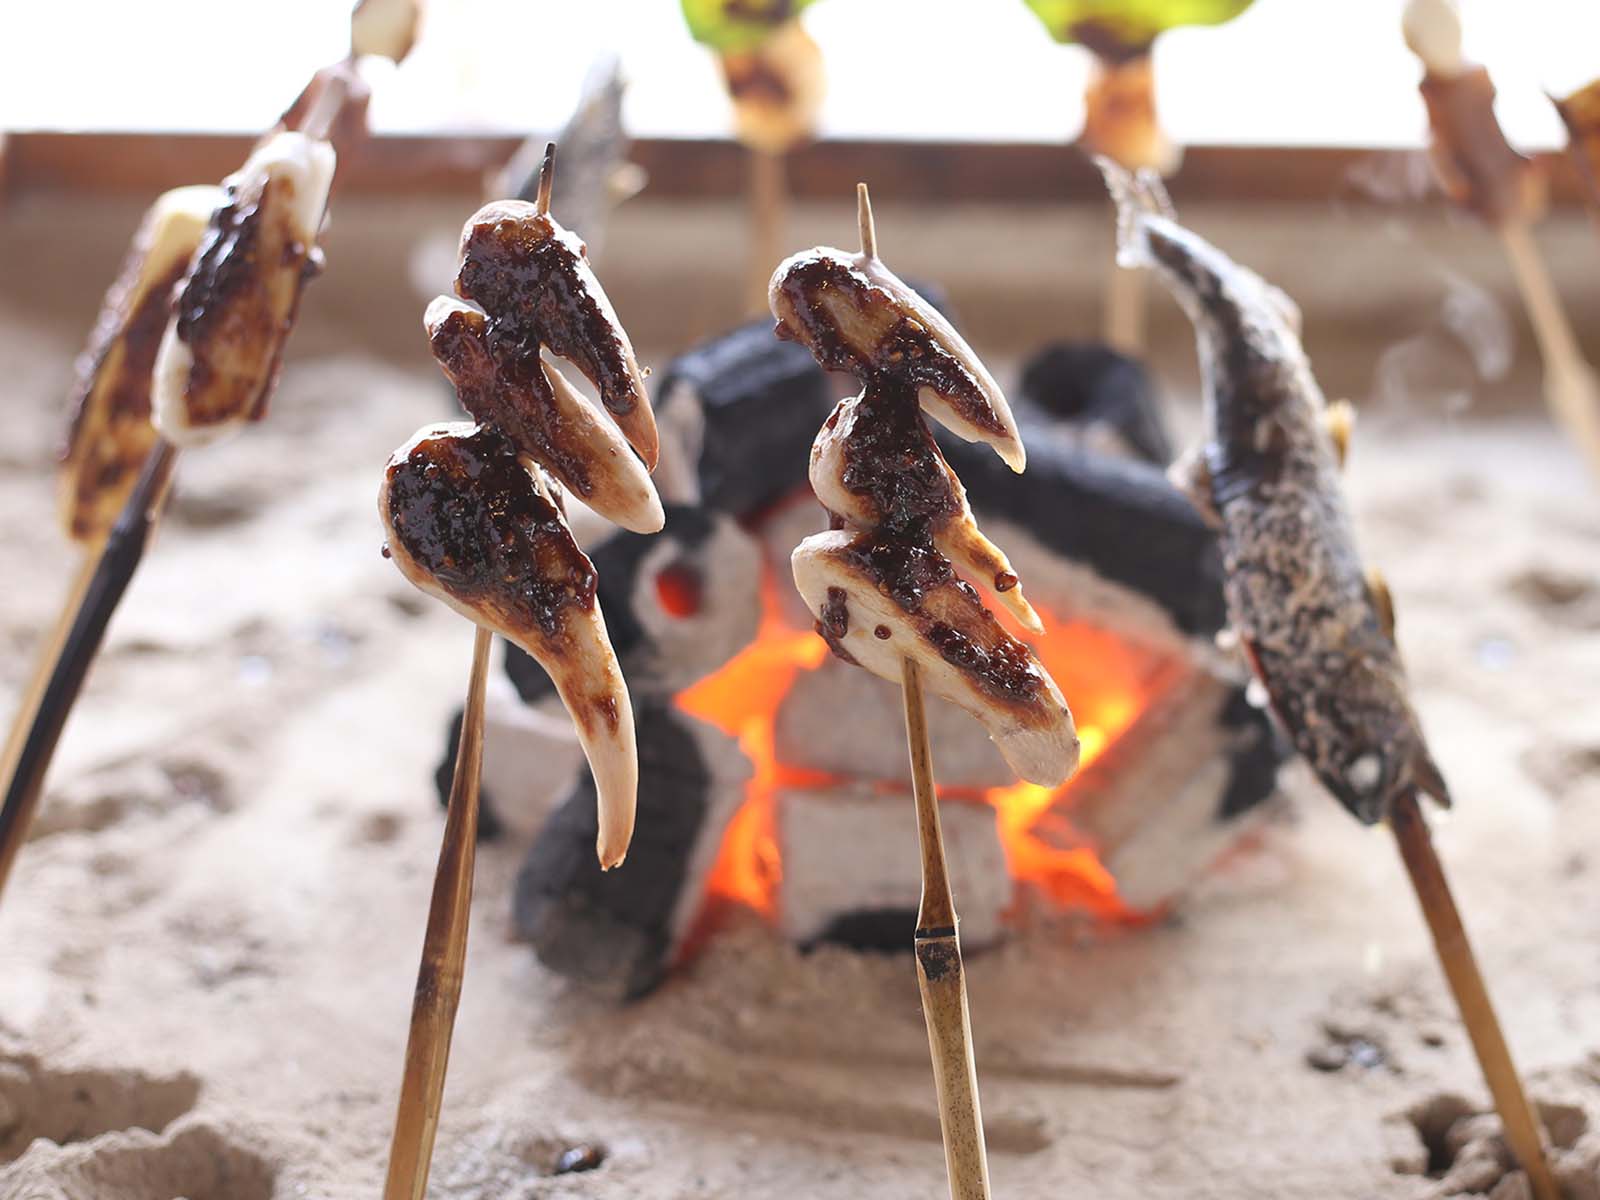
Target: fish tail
1137, 195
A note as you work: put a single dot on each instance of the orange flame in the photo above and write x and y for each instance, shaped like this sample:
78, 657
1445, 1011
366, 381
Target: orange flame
742, 700
1107, 681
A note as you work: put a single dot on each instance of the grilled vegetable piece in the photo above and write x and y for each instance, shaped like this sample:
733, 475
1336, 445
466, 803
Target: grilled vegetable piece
532, 278
222, 350
467, 522
111, 431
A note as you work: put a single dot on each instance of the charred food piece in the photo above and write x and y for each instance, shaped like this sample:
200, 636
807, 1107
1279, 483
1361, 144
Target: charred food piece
876, 465
111, 432
855, 315
221, 352
881, 600
532, 279
1297, 592
545, 418
468, 523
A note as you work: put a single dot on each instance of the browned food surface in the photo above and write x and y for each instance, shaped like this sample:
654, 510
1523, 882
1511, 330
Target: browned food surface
892, 462
467, 513
946, 611
1580, 112
777, 88
1475, 164
849, 323
1120, 118
238, 306
460, 344
111, 431
532, 278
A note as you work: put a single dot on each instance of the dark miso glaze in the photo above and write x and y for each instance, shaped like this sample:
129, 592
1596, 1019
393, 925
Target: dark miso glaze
905, 349
460, 344
526, 273
466, 510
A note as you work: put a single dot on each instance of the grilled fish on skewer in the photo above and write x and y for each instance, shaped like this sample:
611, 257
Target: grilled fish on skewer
468, 523
221, 352
881, 601
111, 431
545, 418
533, 279
1297, 593
855, 315
875, 464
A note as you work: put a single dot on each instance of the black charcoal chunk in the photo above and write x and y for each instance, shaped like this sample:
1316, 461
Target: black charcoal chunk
1119, 517
1088, 383
611, 930
763, 400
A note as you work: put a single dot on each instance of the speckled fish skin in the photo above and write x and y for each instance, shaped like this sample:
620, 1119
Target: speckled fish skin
1296, 589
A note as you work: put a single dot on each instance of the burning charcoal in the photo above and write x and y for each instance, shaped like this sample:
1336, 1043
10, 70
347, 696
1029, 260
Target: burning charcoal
869, 745
677, 604
742, 409
616, 932
1170, 794
1123, 520
851, 872
1105, 398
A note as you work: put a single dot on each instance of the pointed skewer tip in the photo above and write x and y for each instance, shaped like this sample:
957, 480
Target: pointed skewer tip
869, 232
547, 179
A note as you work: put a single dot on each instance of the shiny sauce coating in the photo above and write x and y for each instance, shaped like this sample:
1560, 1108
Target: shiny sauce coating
459, 343
466, 511
897, 346
531, 277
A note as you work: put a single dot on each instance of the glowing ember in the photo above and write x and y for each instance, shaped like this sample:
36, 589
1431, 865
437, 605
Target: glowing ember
1108, 682
742, 700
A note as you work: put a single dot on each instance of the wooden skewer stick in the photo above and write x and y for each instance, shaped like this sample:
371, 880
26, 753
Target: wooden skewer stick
71, 650
444, 945
1472, 997
941, 976
1124, 327
768, 216
16, 819
1570, 386
444, 955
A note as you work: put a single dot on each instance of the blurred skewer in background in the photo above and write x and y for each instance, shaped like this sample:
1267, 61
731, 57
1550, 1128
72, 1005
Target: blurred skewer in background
775, 80
1482, 174
1120, 119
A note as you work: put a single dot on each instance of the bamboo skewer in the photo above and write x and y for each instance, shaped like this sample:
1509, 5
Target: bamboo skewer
769, 203
1517, 1116
444, 955
1124, 328
71, 650
1570, 386
941, 977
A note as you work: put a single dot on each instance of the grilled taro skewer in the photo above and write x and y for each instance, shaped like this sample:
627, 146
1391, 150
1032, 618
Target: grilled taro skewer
1316, 627
213, 369
887, 597
474, 516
